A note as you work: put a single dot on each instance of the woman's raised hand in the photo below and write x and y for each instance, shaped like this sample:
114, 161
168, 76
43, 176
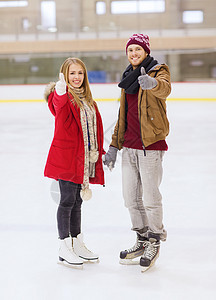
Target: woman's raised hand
61, 85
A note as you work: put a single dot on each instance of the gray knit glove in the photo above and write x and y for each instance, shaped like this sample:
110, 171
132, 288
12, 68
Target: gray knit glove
109, 158
145, 81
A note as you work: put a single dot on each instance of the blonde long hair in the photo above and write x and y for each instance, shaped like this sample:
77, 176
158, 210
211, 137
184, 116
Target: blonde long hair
87, 92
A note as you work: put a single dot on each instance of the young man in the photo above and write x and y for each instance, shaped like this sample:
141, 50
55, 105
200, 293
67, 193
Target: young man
141, 130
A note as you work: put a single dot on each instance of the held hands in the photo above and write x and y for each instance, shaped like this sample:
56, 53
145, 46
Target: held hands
145, 81
61, 85
109, 158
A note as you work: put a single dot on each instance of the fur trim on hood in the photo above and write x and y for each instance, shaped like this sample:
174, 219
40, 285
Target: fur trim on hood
49, 89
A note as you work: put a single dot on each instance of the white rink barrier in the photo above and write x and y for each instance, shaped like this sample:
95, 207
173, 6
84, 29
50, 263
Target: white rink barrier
181, 91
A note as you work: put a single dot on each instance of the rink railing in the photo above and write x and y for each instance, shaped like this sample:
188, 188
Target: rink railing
181, 91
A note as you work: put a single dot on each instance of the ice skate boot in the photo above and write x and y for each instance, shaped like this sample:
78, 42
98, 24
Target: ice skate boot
82, 251
128, 257
150, 254
67, 256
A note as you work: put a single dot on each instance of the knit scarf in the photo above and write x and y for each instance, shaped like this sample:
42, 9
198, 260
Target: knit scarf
130, 76
89, 127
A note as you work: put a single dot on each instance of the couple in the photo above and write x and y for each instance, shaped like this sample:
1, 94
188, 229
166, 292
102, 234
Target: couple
75, 155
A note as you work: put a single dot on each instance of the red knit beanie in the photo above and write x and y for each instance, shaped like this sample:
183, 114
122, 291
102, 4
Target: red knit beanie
139, 39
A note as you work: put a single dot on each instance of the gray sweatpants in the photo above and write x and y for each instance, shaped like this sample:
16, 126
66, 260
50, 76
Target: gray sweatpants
141, 178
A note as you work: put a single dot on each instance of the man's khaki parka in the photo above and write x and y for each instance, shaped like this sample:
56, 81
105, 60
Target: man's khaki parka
154, 125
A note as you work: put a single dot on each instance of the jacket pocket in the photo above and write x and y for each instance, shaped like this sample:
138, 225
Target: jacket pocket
157, 121
61, 153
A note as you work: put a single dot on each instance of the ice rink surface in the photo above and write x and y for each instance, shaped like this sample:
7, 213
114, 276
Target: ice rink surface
186, 268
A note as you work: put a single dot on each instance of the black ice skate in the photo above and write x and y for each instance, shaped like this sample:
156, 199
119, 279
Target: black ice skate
150, 254
128, 257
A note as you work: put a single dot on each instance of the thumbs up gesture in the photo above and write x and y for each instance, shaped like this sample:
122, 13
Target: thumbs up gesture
61, 85
145, 81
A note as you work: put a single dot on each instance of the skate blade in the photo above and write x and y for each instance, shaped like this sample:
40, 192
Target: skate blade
144, 269
128, 261
68, 265
90, 261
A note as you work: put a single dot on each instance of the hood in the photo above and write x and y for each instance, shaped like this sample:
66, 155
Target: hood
158, 67
49, 89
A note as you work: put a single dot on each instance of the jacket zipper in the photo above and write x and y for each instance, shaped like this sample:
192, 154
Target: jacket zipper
143, 146
118, 129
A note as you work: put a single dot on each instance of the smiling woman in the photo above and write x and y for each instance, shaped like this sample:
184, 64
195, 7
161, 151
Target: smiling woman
75, 155
76, 75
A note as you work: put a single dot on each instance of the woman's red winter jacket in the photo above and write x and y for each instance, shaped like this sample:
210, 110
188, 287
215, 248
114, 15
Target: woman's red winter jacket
66, 155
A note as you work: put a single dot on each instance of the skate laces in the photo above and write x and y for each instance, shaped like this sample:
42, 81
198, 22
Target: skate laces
137, 245
82, 245
151, 250
89, 251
